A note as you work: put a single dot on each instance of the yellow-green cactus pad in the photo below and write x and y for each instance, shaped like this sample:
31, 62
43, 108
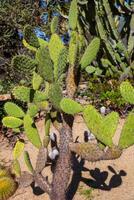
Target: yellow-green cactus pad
90, 53
127, 92
127, 134
13, 110
73, 15
18, 149
70, 106
31, 131
103, 127
12, 122
22, 93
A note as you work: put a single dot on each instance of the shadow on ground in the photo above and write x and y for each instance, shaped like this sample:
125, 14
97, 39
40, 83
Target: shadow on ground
97, 180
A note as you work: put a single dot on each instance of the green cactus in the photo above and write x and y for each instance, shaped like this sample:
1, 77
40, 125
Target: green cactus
55, 47
32, 110
92, 118
55, 95
100, 125
70, 106
73, 48
4, 172
127, 92
22, 93
28, 162
30, 37
40, 96
36, 81
90, 53
16, 169
127, 134
18, 149
13, 110
47, 124
54, 24
7, 187
28, 46
31, 132
45, 65
73, 15
60, 66
47, 130
23, 65
12, 122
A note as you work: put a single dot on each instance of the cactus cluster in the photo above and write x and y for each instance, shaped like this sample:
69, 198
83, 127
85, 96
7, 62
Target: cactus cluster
44, 95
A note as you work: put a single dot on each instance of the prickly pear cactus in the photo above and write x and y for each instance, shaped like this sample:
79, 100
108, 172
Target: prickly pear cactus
51, 96
127, 92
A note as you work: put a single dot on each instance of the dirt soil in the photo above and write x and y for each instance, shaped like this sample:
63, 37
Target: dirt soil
101, 180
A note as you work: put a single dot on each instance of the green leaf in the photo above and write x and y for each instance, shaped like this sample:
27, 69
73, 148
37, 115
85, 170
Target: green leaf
70, 106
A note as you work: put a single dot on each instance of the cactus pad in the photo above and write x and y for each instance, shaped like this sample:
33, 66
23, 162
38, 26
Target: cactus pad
32, 110
70, 106
28, 161
55, 95
36, 81
22, 93
45, 65
23, 66
30, 37
12, 122
127, 134
127, 92
16, 170
18, 149
55, 47
54, 24
13, 110
100, 125
73, 15
90, 53
31, 132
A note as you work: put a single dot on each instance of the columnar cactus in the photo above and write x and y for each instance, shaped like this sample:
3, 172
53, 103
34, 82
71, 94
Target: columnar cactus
52, 61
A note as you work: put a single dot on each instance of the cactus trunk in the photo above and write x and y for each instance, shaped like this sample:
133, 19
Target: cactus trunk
63, 168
